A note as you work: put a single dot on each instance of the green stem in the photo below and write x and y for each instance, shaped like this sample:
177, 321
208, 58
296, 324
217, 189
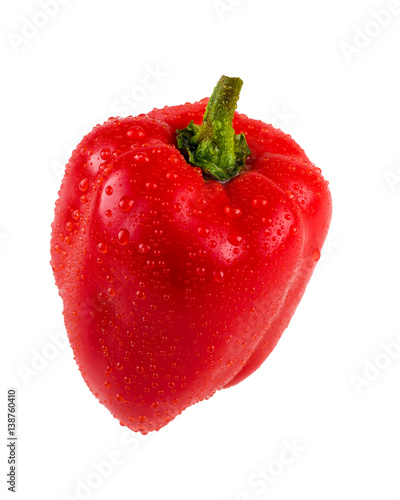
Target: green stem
213, 145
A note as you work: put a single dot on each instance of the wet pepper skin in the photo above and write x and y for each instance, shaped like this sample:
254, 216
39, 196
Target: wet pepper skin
176, 285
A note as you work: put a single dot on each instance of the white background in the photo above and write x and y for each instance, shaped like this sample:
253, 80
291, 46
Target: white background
328, 74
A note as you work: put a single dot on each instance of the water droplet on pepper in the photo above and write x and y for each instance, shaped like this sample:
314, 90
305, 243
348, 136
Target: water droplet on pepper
102, 247
259, 201
140, 295
144, 248
177, 207
233, 212
316, 255
125, 203
201, 271
218, 276
123, 237
105, 153
203, 230
136, 132
235, 239
84, 184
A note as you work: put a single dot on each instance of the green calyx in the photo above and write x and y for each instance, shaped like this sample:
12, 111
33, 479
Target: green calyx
213, 146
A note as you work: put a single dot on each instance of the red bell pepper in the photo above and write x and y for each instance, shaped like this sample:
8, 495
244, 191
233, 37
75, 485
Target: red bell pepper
182, 243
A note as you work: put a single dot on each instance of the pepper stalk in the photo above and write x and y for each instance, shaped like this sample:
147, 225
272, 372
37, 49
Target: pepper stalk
213, 146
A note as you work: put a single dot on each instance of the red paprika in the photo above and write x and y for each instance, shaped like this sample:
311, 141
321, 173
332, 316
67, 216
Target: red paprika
182, 243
